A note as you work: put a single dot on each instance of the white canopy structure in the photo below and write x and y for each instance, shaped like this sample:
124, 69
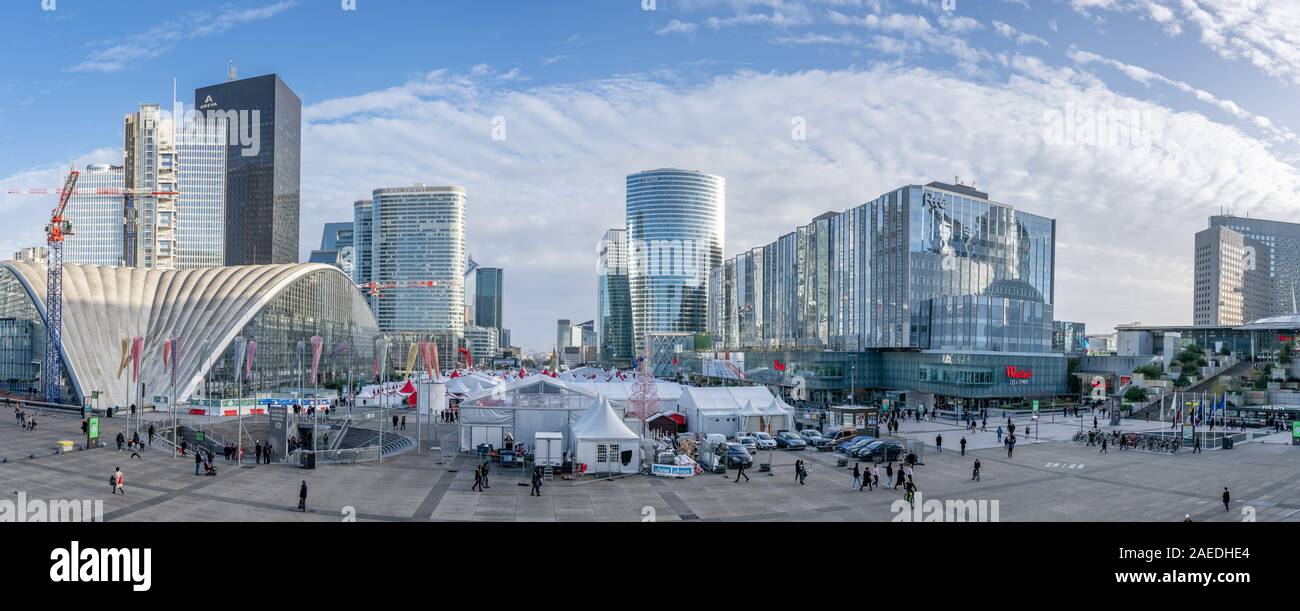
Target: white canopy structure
604, 444
620, 392
520, 410
456, 386
719, 409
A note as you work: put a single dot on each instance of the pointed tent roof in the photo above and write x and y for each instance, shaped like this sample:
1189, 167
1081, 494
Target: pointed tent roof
457, 387
600, 423
749, 410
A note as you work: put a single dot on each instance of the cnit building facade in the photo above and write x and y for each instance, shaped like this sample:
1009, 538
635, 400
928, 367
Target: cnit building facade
934, 294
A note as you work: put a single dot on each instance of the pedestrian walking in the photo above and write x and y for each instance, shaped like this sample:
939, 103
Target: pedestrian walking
938, 443
1104, 443
889, 474
798, 468
119, 482
1226, 498
121, 441
151, 434
257, 452
857, 477
403, 423
302, 497
875, 477
478, 479
803, 473
198, 462
963, 446
1196, 446
394, 421
740, 472
999, 433
975, 474
486, 469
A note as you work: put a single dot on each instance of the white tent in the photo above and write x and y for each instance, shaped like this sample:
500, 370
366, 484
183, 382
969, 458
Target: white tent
621, 391
457, 387
520, 410
604, 443
716, 409
751, 418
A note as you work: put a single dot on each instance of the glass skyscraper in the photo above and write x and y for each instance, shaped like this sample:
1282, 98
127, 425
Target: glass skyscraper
489, 291
418, 234
262, 167
675, 229
935, 267
96, 219
363, 224
613, 301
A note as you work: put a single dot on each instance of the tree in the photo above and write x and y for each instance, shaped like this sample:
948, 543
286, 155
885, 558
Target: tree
1135, 394
1284, 355
1150, 370
1072, 383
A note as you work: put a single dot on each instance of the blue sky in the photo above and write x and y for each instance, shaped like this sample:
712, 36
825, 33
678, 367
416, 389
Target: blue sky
892, 91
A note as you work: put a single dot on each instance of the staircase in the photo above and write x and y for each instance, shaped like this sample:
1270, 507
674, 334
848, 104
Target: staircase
1155, 407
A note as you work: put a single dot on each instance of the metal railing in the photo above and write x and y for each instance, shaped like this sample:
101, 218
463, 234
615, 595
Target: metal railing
345, 456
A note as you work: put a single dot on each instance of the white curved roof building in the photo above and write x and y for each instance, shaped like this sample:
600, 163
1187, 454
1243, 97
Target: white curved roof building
276, 306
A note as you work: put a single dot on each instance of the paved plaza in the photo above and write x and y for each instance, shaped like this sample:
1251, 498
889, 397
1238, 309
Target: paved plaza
1052, 480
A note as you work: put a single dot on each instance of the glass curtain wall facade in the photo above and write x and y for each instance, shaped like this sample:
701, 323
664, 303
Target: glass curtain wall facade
418, 236
201, 211
489, 287
96, 219
935, 267
675, 229
262, 176
613, 300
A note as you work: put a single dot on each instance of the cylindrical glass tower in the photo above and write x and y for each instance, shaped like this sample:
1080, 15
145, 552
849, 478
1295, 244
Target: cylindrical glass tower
675, 228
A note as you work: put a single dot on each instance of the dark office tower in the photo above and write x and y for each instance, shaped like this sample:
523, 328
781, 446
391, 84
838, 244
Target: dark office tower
488, 294
264, 119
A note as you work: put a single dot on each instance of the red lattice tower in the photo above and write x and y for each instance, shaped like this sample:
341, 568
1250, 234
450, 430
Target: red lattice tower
644, 400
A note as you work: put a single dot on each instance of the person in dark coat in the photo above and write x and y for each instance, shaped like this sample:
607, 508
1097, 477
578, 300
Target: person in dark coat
302, 497
1227, 498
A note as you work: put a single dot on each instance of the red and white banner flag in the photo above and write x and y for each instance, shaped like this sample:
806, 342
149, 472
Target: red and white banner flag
317, 344
176, 349
248, 369
137, 348
167, 354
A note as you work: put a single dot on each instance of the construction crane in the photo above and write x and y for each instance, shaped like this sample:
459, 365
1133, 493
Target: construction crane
374, 289
54, 234
129, 222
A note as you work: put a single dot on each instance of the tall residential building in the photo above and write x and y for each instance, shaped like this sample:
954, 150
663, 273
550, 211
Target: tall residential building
613, 302
363, 225
419, 235
1246, 269
184, 231
336, 247
32, 254
263, 163
934, 267
96, 219
675, 229
484, 343
489, 292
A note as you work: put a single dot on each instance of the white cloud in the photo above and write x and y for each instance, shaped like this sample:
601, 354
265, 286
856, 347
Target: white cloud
677, 27
117, 55
556, 183
1021, 38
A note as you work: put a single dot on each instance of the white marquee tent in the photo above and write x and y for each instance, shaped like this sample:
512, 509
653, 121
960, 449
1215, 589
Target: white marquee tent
718, 409
604, 443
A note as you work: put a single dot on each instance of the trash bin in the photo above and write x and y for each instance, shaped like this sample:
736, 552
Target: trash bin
308, 460
1227, 443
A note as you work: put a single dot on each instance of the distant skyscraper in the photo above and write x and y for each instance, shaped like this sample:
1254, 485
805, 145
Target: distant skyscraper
489, 292
262, 167
563, 333
336, 247
419, 235
675, 229
471, 279
613, 302
1246, 269
363, 226
96, 219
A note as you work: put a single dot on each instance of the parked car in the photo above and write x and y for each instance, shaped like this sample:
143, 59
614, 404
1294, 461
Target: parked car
737, 455
764, 441
814, 437
843, 445
882, 450
748, 442
841, 435
857, 445
790, 441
